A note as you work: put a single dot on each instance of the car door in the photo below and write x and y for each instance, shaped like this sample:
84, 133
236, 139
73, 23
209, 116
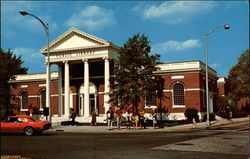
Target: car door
11, 125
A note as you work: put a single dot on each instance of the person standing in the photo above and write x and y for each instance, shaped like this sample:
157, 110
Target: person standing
118, 114
93, 115
154, 119
73, 116
128, 119
228, 113
110, 116
141, 120
135, 119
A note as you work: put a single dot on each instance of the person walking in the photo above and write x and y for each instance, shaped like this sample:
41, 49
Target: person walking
128, 119
93, 115
141, 120
110, 116
154, 119
228, 113
73, 116
118, 114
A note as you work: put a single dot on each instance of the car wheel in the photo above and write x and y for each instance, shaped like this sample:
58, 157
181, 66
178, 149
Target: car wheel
29, 131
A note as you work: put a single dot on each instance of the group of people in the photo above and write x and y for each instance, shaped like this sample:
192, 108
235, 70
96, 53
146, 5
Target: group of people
137, 120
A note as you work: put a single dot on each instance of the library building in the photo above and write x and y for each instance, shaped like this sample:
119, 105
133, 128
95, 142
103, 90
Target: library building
82, 82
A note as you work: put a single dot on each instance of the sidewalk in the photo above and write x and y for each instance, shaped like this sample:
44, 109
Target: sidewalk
185, 127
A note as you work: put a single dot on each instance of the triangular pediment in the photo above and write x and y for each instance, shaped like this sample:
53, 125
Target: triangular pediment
74, 39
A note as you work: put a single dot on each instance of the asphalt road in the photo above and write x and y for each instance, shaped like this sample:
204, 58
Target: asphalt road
227, 142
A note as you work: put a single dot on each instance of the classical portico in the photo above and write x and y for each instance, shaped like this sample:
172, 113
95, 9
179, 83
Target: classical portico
81, 84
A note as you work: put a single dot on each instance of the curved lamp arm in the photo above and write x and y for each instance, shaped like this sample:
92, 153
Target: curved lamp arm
46, 26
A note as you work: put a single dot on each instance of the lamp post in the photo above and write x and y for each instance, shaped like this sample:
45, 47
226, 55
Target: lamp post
226, 26
46, 28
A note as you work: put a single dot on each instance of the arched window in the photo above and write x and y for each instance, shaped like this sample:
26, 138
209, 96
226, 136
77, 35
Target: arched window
24, 100
42, 99
179, 96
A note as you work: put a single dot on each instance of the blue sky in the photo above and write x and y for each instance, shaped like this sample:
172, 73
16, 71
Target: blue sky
175, 28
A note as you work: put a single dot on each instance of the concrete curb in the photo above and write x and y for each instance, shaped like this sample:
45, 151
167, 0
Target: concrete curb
185, 127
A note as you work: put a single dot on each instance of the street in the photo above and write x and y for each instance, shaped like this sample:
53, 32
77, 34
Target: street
224, 142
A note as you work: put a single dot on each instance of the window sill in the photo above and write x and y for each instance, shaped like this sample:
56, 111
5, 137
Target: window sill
24, 110
150, 107
178, 106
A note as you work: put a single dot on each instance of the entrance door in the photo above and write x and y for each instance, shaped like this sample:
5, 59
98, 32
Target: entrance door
92, 99
92, 103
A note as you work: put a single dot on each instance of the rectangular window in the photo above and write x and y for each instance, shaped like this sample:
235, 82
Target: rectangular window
24, 100
151, 101
43, 99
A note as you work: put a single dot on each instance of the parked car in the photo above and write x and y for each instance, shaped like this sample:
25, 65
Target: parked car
24, 124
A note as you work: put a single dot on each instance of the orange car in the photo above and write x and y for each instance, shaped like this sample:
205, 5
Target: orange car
24, 124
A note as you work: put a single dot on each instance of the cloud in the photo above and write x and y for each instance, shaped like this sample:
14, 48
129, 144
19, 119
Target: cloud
174, 12
32, 58
28, 54
175, 45
215, 65
13, 21
92, 17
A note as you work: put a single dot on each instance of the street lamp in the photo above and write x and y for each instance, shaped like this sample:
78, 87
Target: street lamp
46, 28
226, 26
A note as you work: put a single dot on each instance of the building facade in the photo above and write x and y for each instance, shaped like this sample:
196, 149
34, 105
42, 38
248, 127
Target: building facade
85, 66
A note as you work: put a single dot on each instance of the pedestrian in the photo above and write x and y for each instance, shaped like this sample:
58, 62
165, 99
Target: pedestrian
118, 115
35, 113
128, 119
93, 115
141, 120
194, 122
228, 113
110, 116
154, 119
135, 119
73, 116
30, 110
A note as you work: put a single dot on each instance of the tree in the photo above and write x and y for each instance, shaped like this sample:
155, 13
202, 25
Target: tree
133, 70
238, 78
10, 65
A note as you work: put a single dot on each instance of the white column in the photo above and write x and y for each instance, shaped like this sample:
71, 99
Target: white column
86, 88
66, 89
82, 105
59, 90
96, 104
48, 86
106, 84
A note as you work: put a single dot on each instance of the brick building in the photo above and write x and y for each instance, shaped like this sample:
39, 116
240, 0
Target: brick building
85, 66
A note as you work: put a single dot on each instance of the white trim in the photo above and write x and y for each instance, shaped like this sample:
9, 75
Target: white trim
178, 106
42, 85
193, 89
167, 90
24, 110
177, 77
188, 89
24, 86
34, 96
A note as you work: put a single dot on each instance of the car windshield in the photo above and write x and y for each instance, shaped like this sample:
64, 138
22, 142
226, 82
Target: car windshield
32, 119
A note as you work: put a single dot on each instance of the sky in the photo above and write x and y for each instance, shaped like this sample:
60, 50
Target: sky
175, 29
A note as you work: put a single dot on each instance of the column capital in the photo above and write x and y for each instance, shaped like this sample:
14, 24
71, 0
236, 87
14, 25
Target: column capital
106, 58
85, 60
66, 61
